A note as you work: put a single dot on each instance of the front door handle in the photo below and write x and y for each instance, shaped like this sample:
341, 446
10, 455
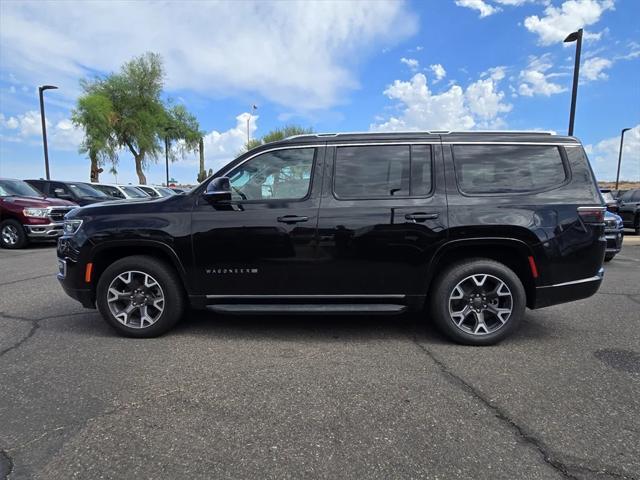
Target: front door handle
292, 219
420, 216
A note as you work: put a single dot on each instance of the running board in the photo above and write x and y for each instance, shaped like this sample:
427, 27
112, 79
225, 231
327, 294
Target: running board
314, 309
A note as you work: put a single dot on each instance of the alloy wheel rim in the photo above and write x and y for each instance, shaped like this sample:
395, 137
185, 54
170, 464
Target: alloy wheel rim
9, 235
135, 299
480, 304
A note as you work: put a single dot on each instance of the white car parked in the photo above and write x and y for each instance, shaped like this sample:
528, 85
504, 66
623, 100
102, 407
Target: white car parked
120, 191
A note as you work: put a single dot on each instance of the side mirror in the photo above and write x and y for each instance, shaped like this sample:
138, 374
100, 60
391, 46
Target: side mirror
59, 193
218, 190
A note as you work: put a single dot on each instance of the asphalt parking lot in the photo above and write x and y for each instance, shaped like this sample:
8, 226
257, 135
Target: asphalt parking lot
313, 397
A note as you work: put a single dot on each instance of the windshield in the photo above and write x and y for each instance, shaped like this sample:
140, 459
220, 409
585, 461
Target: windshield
134, 192
17, 188
166, 192
608, 197
84, 190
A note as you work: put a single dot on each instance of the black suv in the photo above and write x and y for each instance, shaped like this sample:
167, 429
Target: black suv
77, 192
629, 209
471, 227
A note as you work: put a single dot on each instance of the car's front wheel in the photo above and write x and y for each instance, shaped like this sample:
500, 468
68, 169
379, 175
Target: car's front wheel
478, 302
140, 296
12, 235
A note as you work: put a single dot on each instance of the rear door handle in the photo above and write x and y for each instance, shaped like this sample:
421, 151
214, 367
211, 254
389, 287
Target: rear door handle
420, 216
292, 219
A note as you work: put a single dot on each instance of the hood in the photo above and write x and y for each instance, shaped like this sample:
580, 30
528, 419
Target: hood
38, 202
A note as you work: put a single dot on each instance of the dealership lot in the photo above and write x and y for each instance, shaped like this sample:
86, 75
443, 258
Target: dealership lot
301, 397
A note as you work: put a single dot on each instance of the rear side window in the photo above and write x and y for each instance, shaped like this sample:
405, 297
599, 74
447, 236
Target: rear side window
507, 168
382, 171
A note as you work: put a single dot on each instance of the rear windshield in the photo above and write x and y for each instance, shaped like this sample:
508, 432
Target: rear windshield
507, 168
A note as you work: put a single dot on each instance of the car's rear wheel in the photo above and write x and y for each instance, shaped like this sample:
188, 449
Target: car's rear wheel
140, 296
12, 235
478, 302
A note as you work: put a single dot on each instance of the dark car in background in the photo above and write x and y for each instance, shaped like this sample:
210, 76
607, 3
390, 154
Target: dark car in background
78, 192
614, 233
26, 215
630, 209
468, 228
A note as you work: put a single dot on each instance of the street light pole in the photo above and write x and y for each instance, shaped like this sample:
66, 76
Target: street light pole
166, 155
574, 37
620, 155
44, 126
253, 109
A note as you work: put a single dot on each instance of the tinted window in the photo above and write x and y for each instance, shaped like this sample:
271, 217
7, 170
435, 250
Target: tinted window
150, 191
281, 174
507, 168
37, 184
382, 171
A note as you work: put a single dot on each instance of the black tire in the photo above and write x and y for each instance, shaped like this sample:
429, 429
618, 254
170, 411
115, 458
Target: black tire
12, 235
171, 288
447, 282
636, 225
609, 256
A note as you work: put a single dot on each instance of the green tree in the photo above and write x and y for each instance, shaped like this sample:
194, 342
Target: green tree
94, 113
278, 134
141, 122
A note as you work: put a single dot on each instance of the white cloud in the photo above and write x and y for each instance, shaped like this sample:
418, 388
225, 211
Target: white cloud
282, 51
439, 72
535, 81
514, 3
222, 147
483, 7
412, 63
604, 156
557, 23
593, 68
25, 125
480, 105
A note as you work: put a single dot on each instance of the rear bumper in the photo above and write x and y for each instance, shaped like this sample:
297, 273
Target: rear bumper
568, 291
44, 232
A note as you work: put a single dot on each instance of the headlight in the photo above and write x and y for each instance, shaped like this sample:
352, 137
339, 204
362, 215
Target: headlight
35, 212
71, 226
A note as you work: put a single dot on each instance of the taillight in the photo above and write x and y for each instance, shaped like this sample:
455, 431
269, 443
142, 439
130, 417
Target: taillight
591, 214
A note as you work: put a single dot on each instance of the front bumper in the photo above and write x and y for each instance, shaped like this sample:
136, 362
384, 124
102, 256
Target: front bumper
568, 291
67, 272
614, 240
44, 232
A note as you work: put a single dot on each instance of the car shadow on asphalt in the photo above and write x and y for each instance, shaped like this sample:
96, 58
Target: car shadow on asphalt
315, 328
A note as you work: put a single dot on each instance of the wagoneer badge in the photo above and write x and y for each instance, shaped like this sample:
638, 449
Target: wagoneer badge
224, 271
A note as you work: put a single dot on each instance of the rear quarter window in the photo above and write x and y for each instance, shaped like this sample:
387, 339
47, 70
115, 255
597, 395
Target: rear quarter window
492, 169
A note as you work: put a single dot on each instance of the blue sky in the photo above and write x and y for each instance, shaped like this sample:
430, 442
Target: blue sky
333, 66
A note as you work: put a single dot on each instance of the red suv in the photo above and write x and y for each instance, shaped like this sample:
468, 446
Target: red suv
26, 215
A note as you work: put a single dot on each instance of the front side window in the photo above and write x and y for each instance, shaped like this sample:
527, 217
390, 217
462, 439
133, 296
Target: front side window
381, 171
276, 175
482, 169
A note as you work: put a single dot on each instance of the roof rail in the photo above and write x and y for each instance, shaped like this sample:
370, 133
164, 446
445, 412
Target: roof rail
431, 132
